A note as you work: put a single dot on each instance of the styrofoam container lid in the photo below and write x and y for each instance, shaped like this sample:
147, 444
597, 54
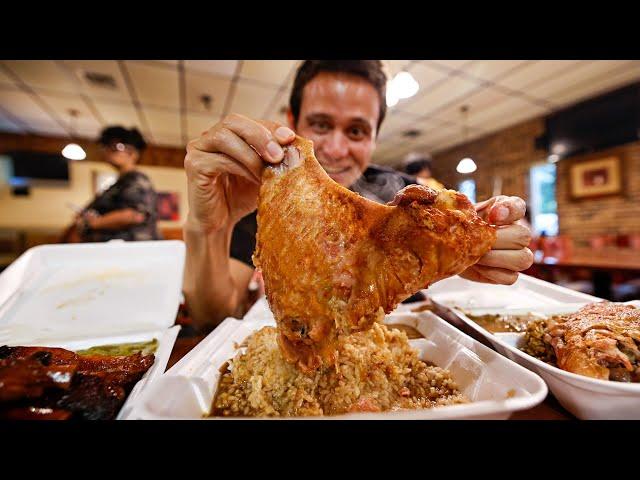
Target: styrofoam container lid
65, 293
526, 292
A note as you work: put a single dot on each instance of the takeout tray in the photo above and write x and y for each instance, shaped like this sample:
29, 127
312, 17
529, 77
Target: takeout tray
584, 397
84, 295
496, 386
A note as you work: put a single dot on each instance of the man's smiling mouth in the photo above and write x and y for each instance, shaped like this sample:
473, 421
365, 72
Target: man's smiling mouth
335, 170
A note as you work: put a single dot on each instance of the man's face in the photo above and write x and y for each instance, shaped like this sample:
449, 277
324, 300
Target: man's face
339, 113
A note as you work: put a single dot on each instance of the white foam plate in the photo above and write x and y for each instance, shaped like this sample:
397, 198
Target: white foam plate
526, 292
584, 397
83, 295
496, 386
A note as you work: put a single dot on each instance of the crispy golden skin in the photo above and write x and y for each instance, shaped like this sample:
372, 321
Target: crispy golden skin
334, 262
600, 340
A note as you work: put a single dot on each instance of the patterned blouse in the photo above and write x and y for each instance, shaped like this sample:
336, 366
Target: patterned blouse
132, 190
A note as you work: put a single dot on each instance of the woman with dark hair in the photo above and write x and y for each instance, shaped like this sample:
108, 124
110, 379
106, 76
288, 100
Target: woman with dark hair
421, 169
127, 209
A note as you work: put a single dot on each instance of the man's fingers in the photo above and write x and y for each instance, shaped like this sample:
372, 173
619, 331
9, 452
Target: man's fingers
498, 275
283, 134
255, 134
506, 210
515, 260
201, 166
512, 237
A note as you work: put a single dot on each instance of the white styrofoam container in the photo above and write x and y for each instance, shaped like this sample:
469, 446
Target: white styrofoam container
584, 397
83, 295
496, 386
526, 292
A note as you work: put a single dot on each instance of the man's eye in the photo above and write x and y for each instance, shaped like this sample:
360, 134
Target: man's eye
321, 126
356, 132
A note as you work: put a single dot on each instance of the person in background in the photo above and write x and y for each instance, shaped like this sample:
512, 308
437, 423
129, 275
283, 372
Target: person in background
421, 169
127, 209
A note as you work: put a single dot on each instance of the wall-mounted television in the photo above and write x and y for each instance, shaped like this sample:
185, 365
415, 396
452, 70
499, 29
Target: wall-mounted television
38, 165
598, 123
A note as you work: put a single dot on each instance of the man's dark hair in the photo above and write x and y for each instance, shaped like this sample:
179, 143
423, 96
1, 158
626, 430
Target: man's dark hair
416, 166
371, 70
118, 134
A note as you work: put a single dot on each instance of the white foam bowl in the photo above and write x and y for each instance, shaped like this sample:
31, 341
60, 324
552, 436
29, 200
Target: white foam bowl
495, 386
585, 397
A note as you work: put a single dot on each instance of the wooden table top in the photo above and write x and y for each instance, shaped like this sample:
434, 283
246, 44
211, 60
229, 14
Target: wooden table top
606, 258
550, 409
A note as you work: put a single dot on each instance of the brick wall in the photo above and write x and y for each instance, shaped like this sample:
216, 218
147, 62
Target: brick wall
510, 153
618, 214
506, 155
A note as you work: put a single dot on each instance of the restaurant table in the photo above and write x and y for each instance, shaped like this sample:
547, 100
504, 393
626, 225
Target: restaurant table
602, 262
550, 409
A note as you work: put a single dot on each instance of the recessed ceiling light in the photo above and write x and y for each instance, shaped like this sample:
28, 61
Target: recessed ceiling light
466, 165
73, 151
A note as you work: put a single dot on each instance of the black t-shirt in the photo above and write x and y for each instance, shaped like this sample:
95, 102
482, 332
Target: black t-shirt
377, 183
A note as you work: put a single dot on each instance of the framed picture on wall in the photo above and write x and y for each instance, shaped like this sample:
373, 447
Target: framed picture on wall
168, 205
595, 178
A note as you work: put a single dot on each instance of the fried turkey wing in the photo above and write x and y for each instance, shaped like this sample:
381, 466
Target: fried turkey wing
600, 340
334, 262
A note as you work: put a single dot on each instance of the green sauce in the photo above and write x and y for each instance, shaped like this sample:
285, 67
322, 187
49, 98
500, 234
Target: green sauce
122, 349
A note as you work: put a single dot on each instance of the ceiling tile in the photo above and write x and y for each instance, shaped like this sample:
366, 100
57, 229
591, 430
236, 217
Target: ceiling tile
80, 68
6, 125
115, 114
535, 73
426, 76
5, 79
507, 112
581, 73
492, 69
396, 66
277, 108
197, 123
168, 140
395, 121
215, 86
451, 64
173, 63
61, 106
438, 96
609, 81
162, 121
251, 100
155, 86
42, 73
269, 71
22, 106
226, 68
477, 102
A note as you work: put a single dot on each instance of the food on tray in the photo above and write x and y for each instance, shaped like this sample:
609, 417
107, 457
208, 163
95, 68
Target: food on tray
601, 340
54, 383
411, 332
496, 322
359, 259
122, 349
375, 370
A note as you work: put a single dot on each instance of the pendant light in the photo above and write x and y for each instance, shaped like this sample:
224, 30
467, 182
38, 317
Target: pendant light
466, 165
72, 150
